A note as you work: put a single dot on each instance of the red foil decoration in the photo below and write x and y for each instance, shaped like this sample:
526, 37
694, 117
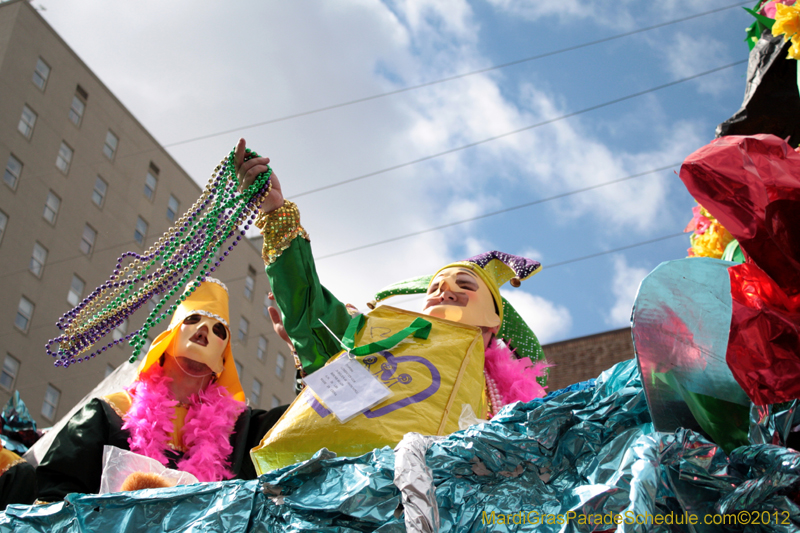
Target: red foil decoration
751, 184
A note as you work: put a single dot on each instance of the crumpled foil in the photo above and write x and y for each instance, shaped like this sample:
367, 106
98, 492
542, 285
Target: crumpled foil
578, 460
213, 507
19, 428
751, 184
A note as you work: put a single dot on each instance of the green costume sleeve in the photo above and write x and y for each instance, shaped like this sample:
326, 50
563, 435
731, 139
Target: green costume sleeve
303, 302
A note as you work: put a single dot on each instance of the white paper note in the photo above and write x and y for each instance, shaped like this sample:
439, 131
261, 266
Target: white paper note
346, 388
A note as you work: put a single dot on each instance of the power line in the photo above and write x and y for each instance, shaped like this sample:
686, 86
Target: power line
621, 248
457, 76
519, 130
498, 212
549, 267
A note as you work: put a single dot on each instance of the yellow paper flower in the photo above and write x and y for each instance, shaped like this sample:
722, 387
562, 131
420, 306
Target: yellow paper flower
794, 50
709, 238
787, 21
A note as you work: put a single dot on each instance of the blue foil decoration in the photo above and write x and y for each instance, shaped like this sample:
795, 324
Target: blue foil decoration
588, 452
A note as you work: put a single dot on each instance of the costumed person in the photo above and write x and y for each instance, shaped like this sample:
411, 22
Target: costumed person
185, 408
466, 292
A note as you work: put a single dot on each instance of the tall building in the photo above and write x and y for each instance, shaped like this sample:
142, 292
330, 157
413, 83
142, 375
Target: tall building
83, 182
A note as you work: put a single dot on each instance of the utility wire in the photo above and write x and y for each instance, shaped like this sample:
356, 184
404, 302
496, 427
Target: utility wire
621, 248
498, 212
549, 267
457, 76
351, 102
519, 130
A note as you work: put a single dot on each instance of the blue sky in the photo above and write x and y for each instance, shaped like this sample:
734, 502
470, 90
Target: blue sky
193, 68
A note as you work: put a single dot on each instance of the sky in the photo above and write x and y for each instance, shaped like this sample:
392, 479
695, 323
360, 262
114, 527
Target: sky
589, 115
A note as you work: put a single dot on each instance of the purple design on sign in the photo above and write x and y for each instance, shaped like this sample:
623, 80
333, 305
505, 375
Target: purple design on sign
386, 374
314, 403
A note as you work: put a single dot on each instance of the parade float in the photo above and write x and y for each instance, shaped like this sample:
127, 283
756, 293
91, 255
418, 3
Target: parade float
698, 433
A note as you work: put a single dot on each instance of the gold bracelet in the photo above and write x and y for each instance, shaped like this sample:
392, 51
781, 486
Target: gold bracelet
280, 228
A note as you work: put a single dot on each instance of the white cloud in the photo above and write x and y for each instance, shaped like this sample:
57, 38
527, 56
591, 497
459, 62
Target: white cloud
548, 320
624, 287
531, 253
622, 14
189, 77
692, 54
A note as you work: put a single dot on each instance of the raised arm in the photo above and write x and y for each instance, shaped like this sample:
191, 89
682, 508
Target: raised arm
292, 274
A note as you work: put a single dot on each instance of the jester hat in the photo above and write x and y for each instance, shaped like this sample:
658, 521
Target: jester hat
495, 269
210, 299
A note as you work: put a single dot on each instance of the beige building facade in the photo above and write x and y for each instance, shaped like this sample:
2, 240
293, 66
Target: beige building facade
83, 182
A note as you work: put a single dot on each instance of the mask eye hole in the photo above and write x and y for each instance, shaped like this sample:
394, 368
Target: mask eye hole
220, 330
191, 319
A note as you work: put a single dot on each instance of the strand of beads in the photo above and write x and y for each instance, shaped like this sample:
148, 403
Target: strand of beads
495, 400
178, 260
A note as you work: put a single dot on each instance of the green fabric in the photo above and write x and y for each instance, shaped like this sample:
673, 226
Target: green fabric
74, 461
303, 302
419, 328
417, 285
18, 485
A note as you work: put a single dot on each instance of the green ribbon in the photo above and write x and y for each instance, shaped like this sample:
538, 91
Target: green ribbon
420, 328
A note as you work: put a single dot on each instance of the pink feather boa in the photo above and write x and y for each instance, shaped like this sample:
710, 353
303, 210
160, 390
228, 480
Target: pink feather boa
209, 423
515, 378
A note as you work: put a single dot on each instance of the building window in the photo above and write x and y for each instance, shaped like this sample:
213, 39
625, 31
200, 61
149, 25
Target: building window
109, 369
265, 309
38, 259
110, 146
275, 401
78, 106
3, 223
99, 192
141, 231
255, 393
87, 239
13, 172
75, 290
250, 283
9, 374
51, 206
120, 330
239, 369
243, 326
172, 208
26, 122
151, 181
279, 364
64, 157
24, 314
50, 403
261, 353
40, 74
